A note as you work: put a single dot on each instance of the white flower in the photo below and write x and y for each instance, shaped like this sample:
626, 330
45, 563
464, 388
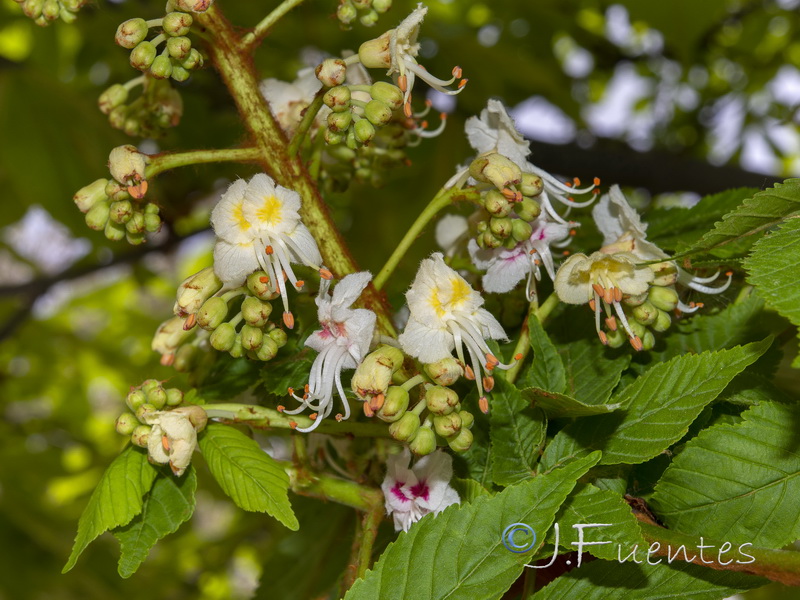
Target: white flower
505, 268
451, 232
173, 438
412, 493
342, 343
288, 100
258, 226
446, 313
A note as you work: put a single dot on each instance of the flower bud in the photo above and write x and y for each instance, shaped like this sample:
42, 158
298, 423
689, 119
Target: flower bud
135, 399
377, 112
663, 298
635, 300
521, 230
645, 313
72, 5
193, 60
362, 4
151, 209
97, 217
179, 47
337, 98
113, 97
157, 396
364, 131
88, 195
161, 67
258, 284
67, 16
279, 337
444, 372
114, 231
424, 442
134, 239
666, 273
332, 138
121, 211
152, 223
177, 23
339, 121
381, 6
33, 8
256, 312
174, 397
387, 93
135, 225
196, 414
350, 141
374, 375
496, 169
143, 55
663, 321
131, 33
528, 209
268, 349
376, 54
531, 185
331, 72
637, 328
170, 335
440, 400
395, 405
144, 410
496, 204
127, 164
616, 338
149, 384
237, 350
447, 425
405, 429
126, 423
251, 337
195, 290
212, 313
490, 240
346, 12
178, 74
467, 419
648, 340
223, 337
369, 18
462, 442
141, 436
501, 227
184, 359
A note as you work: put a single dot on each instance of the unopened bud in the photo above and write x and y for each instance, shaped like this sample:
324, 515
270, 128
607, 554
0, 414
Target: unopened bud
496, 169
405, 429
376, 54
113, 97
521, 230
496, 204
121, 211
663, 321
88, 195
212, 313
279, 337
461, 442
223, 337
490, 240
441, 400
157, 397
381, 6
447, 425
179, 47
648, 340
663, 298
332, 138
444, 372
259, 285
127, 164
126, 423
346, 12
256, 312
501, 227
337, 98
237, 350
378, 112
144, 410
161, 67
364, 131
374, 375
616, 338
395, 404
195, 290
170, 335
467, 419
528, 209
424, 442
645, 313
268, 349
152, 223
332, 72
33, 8
531, 185
141, 435
51, 10
135, 399
178, 74
635, 300
131, 33
135, 225
97, 217
177, 23
114, 231
251, 337
197, 6
339, 121
174, 397
143, 55
666, 273
149, 385
117, 191
193, 60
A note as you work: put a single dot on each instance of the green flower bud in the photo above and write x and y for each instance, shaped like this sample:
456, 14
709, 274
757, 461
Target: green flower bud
376, 54
387, 93
195, 290
258, 284
521, 230
51, 10
616, 338
127, 166
179, 47
645, 313
378, 112
251, 337
114, 231
126, 423
510, 243
333, 137
151, 209
73, 5
143, 55
350, 140
395, 405
663, 298
444, 372
268, 349
634, 300
149, 385
185, 358
496, 204
144, 410
637, 328
424, 442
174, 397
440, 400
369, 18
170, 335
193, 60
648, 340
467, 419
212, 313
135, 225
491, 241
157, 397
362, 4
117, 191
178, 74
346, 12
198, 6
462, 442
500, 227
161, 67
339, 121
331, 72
88, 195
482, 226
152, 223
67, 16
223, 337
374, 375
337, 98
134, 239
97, 217
113, 97
118, 116
237, 350
279, 337
447, 425
663, 321
496, 169
256, 312
131, 33
531, 185
364, 131
177, 23
405, 429
33, 8
135, 399
121, 211
141, 435
381, 6
528, 209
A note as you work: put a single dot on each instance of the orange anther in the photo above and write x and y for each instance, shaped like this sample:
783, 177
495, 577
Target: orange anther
402, 83
423, 125
491, 359
636, 342
300, 283
457, 72
483, 404
428, 102
518, 356
293, 424
729, 274
167, 359
165, 443
603, 337
407, 108
617, 294
597, 181
368, 410
612, 323
443, 116
576, 181
462, 83
592, 304
305, 388
288, 319
565, 253
291, 391
469, 373
376, 402
608, 296
269, 250
598, 289
339, 417
313, 416
138, 191
189, 322
263, 279
573, 231
281, 407
488, 383
699, 304
568, 184
325, 274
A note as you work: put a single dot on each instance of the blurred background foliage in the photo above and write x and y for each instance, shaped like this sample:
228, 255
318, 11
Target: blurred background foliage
664, 97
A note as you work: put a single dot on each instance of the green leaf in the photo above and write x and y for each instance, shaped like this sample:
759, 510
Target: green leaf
517, 432
559, 405
116, 500
546, 370
757, 214
773, 270
252, 479
586, 505
282, 374
468, 489
606, 580
737, 482
659, 406
459, 553
169, 503
592, 370
228, 377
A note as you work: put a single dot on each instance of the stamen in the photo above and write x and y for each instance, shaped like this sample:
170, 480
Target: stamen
368, 410
462, 83
603, 337
402, 83
190, 322
597, 181
288, 319
518, 356
468, 372
167, 360
617, 294
300, 283
488, 383
611, 322
339, 417
491, 361
483, 404
165, 443
598, 289
325, 274
457, 72
138, 191
263, 279
313, 416
376, 402
293, 424
608, 296
637, 343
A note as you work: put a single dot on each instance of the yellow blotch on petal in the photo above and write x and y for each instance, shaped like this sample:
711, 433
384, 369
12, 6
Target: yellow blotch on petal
442, 302
270, 212
239, 218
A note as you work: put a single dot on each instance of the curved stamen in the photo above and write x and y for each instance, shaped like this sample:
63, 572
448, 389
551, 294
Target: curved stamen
711, 290
688, 308
547, 178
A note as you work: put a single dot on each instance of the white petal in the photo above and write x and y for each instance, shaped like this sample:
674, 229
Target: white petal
438, 291
506, 272
234, 262
449, 231
349, 289
270, 208
360, 327
155, 447
572, 280
426, 343
495, 131
489, 326
228, 218
483, 258
302, 237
